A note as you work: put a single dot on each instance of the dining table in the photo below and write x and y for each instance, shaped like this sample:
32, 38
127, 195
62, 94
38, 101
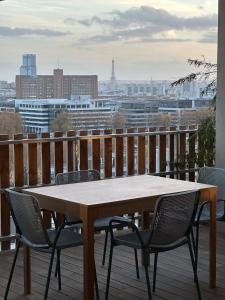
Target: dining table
111, 197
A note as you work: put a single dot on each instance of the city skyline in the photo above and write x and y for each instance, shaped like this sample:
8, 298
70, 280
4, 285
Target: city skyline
146, 39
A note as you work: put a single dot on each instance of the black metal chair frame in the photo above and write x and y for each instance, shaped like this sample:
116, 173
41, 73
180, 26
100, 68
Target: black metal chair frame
81, 176
50, 246
148, 245
206, 176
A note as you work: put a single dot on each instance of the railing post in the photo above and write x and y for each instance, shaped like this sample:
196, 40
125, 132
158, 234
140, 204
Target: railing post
4, 183
70, 151
162, 151
182, 153
152, 151
18, 162
58, 163
46, 172
83, 152
119, 153
141, 152
108, 154
96, 163
192, 155
130, 153
32, 159
172, 157
58, 153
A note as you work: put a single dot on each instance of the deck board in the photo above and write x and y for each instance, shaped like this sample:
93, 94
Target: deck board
174, 276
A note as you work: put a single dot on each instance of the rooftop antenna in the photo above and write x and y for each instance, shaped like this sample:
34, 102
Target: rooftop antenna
58, 63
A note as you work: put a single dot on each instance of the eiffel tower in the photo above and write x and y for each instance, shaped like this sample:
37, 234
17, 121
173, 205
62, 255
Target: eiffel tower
113, 77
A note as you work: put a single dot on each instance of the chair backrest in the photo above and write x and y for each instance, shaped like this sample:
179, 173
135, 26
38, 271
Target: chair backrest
173, 217
77, 176
28, 219
214, 176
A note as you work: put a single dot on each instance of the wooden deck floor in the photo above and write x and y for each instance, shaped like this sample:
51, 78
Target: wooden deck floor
175, 279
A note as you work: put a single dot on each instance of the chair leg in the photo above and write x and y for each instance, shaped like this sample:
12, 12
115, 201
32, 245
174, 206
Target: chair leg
196, 247
96, 285
146, 259
193, 239
155, 271
12, 270
105, 246
59, 270
136, 263
49, 274
194, 270
109, 272
56, 269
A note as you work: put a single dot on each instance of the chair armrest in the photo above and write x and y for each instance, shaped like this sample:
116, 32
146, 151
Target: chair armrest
202, 205
67, 223
128, 222
121, 220
220, 200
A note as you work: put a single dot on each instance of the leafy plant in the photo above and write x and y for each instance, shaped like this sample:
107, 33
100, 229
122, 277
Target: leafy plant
207, 71
206, 132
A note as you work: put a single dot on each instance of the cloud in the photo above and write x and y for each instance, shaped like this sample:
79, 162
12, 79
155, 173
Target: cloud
147, 15
209, 37
144, 23
70, 21
164, 40
14, 32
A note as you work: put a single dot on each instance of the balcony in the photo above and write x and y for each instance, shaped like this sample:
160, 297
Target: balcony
34, 160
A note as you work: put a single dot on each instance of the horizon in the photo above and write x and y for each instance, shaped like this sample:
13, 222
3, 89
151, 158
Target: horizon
147, 40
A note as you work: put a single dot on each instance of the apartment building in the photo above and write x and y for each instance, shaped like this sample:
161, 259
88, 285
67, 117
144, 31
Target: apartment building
57, 86
38, 114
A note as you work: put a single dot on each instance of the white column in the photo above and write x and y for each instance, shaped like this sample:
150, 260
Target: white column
220, 101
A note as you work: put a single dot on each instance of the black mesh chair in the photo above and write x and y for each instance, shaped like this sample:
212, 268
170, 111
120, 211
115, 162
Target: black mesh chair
29, 223
170, 228
213, 176
100, 224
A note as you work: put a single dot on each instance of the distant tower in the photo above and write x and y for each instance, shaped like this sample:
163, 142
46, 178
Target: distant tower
28, 67
113, 77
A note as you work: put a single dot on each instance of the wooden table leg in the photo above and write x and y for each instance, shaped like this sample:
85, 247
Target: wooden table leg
89, 273
212, 240
27, 273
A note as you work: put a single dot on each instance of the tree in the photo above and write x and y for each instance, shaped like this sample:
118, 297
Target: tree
206, 132
10, 123
118, 120
207, 71
62, 122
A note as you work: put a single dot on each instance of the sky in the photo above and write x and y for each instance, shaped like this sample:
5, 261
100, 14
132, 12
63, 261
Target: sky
147, 38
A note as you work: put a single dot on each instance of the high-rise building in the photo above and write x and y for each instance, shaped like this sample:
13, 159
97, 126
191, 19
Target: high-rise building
28, 67
57, 86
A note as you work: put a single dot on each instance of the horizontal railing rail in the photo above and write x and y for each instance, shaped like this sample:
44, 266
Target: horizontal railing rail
92, 137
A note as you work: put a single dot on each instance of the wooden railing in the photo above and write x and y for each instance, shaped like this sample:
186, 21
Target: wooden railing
35, 160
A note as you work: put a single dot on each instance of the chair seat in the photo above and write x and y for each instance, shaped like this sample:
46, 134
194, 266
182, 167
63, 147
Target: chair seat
67, 238
99, 224
132, 240
103, 223
73, 220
